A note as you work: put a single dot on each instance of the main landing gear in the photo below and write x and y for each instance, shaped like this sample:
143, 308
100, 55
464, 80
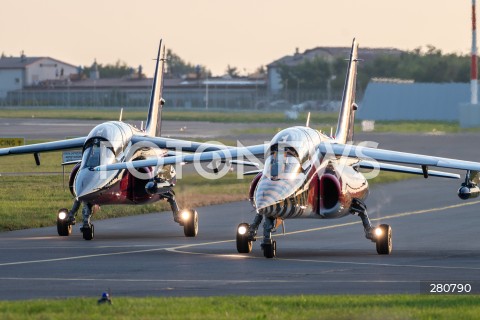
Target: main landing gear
188, 218
381, 235
246, 234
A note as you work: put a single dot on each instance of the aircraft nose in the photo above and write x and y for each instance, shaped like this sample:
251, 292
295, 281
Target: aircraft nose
270, 192
88, 183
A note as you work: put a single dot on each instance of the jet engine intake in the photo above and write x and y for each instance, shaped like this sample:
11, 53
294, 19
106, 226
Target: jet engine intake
330, 191
71, 179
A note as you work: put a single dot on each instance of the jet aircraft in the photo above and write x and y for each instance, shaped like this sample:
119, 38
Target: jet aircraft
309, 174
117, 142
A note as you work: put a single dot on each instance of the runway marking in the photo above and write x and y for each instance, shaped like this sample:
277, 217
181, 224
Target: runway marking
103, 254
80, 257
392, 216
177, 249
56, 124
381, 264
205, 280
237, 256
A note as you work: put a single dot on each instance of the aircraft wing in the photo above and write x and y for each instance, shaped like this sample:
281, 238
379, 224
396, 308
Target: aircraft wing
45, 147
353, 151
179, 145
219, 155
397, 168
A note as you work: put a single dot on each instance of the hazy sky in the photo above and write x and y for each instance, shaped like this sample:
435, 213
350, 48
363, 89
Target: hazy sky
215, 33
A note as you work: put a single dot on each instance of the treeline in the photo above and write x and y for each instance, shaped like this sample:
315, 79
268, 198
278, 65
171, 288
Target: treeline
420, 65
176, 68
117, 70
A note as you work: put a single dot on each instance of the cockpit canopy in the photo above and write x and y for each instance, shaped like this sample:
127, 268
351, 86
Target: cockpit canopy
97, 151
118, 134
105, 142
288, 152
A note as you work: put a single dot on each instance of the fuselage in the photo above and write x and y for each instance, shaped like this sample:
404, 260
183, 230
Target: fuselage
298, 181
108, 143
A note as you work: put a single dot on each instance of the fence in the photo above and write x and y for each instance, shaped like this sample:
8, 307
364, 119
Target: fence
196, 98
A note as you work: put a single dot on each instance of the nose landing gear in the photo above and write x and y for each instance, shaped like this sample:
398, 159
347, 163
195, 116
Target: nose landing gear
88, 232
246, 235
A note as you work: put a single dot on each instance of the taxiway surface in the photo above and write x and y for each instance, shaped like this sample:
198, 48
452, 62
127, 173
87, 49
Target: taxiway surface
435, 239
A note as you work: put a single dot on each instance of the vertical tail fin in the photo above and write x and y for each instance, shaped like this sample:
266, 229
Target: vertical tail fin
346, 119
154, 120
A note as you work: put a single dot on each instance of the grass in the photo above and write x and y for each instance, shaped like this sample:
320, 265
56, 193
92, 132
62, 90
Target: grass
429, 127
244, 307
419, 127
32, 201
168, 114
320, 120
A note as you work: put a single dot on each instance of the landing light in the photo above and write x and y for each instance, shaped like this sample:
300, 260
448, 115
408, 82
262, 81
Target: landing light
185, 215
62, 215
242, 230
378, 232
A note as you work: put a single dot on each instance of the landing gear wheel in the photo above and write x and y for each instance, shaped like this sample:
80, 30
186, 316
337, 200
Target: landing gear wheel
88, 232
270, 249
64, 228
384, 240
190, 225
244, 245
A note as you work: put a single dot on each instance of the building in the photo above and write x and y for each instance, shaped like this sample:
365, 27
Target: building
406, 100
44, 81
19, 72
329, 53
131, 91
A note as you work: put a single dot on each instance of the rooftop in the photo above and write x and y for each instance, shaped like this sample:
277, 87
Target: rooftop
333, 52
23, 61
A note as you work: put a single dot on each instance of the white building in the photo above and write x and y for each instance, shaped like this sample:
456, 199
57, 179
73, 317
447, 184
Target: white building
20, 72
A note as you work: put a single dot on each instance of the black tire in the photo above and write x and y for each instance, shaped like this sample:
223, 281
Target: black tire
384, 242
270, 250
244, 245
190, 227
64, 229
88, 233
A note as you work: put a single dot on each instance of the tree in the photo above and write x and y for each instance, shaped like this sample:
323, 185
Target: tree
177, 67
232, 71
117, 70
420, 65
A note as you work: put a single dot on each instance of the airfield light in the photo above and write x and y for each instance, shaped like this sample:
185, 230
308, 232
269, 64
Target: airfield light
185, 215
62, 215
242, 230
378, 232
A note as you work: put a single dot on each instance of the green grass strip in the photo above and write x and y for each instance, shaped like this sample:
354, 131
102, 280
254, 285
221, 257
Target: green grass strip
107, 114
242, 307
